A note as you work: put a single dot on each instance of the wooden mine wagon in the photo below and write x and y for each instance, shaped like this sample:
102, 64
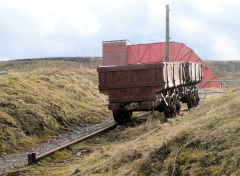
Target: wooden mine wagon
149, 86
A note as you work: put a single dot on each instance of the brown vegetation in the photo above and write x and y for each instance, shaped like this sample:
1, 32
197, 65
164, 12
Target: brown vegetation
204, 141
43, 98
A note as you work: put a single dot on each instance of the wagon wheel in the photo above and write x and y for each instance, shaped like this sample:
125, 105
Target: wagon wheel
167, 111
197, 97
121, 116
178, 107
194, 99
174, 105
189, 99
172, 109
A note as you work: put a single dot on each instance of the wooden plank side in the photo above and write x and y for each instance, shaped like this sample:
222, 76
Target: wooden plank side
177, 77
129, 67
170, 75
194, 76
140, 82
187, 71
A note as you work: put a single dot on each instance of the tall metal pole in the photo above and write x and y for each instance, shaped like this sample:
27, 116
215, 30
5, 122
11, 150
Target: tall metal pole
167, 33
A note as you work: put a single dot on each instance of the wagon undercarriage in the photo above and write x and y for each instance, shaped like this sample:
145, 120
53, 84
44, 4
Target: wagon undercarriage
150, 87
168, 102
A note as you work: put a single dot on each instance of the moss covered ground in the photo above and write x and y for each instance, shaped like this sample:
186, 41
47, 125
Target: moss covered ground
45, 97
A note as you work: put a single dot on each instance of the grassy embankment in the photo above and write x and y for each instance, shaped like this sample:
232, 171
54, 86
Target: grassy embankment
204, 141
45, 97
201, 142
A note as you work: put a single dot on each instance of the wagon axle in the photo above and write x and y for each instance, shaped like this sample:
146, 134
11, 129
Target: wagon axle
168, 102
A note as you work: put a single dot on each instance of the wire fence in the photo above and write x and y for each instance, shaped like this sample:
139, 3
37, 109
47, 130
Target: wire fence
204, 91
5, 71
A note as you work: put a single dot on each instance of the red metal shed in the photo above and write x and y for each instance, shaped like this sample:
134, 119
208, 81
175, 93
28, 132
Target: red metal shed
155, 52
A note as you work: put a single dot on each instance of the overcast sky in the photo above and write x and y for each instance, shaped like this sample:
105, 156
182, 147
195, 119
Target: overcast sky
51, 28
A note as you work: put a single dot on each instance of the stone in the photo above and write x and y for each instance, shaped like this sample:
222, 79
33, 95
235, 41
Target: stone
79, 154
75, 170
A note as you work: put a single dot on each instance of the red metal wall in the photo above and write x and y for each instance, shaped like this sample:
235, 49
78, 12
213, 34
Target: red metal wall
155, 52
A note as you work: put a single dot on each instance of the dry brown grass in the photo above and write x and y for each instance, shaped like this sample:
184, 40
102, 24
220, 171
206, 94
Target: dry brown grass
50, 97
201, 142
204, 141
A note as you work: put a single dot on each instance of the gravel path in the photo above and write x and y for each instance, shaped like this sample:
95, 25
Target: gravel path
20, 159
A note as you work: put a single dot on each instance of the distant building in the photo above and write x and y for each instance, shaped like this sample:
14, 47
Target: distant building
123, 52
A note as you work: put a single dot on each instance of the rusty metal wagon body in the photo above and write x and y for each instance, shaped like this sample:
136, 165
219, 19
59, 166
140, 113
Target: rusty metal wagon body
146, 86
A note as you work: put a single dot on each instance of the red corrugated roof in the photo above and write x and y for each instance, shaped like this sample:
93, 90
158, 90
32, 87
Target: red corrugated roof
155, 52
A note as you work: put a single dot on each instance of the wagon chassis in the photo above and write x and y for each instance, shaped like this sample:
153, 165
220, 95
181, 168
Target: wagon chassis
167, 101
150, 87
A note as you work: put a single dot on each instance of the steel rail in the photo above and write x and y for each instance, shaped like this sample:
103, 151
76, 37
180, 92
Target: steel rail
221, 81
5, 71
34, 158
211, 92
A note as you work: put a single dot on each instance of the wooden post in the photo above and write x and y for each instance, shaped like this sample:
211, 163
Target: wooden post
31, 158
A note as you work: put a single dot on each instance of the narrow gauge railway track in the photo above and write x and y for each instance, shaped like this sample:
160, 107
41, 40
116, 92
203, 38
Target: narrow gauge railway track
15, 160
34, 158
19, 159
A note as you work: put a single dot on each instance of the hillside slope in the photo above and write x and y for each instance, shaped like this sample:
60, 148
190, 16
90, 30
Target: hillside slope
225, 69
204, 141
26, 64
43, 98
